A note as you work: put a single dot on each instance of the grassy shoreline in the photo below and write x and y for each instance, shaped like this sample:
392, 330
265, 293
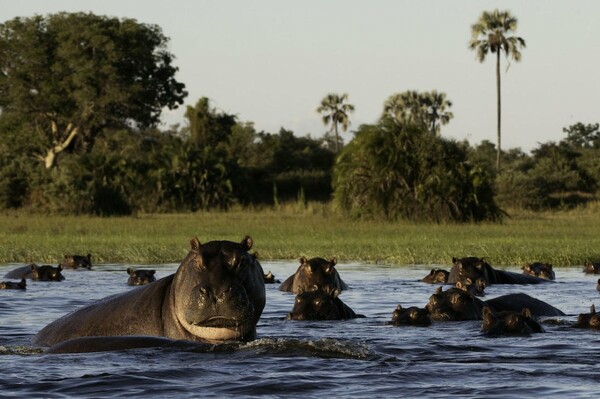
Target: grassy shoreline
562, 238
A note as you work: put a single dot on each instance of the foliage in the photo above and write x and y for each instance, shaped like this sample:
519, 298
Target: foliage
389, 172
69, 76
583, 136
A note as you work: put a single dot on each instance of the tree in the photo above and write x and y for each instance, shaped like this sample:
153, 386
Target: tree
335, 111
491, 34
425, 110
583, 136
208, 127
71, 75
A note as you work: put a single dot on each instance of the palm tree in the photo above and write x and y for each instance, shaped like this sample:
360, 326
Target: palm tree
335, 111
418, 109
490, 34
436, 104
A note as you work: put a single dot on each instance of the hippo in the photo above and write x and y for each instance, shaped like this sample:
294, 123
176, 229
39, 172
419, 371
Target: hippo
476, 288
105, 344
77, 262
509, 322
217, 294
320, 305
474, 268
35, 272
539, 269
598, 285
11, 285
436, 276
588, 320
314, 272
140, 276
591, 268
269, 278
456, 305
412, 316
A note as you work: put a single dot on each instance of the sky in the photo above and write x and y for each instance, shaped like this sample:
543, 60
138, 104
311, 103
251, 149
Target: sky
271, 62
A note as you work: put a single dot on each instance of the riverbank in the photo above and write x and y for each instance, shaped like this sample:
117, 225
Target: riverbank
561, 238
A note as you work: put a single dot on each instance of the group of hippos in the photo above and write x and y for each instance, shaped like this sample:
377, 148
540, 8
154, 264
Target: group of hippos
217, 294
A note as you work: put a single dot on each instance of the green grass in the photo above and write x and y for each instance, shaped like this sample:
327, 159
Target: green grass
564, 238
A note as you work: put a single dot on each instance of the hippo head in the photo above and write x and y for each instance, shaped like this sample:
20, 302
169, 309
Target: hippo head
474, 287
436, 276
454, 304
78, 261
509, 323
218, 291
588, 320
46, 272
591, 268
316, 304
473, 268
140, 277
11, 285
316, 273
412, 316
539, 269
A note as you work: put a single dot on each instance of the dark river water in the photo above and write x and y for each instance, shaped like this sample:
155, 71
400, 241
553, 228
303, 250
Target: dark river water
362, 358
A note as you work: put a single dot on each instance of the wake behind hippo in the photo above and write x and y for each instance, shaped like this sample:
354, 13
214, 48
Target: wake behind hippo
216, 294
477, 268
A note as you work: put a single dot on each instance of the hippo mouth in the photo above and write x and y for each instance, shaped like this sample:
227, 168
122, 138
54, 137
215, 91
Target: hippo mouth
221, 322
218, 329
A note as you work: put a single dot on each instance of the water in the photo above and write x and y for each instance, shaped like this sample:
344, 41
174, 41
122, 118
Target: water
355, 359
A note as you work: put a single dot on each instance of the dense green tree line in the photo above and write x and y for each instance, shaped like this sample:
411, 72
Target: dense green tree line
81, 95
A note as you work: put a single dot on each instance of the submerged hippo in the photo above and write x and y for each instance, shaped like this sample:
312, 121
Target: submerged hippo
11, 285
35, 272
412, 316
455, 305
436, 276
474, 268
269, 278
539, 269
509, 322
77, 262
216, 294
320, 305
140, 276
476, 288
588, 320
315, 272
591, 268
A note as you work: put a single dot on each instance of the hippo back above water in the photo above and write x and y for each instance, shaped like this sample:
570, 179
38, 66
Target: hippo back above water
315, 272
477, 268
216, 294
35, 272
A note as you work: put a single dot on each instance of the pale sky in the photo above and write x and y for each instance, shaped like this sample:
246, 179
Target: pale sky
271, 62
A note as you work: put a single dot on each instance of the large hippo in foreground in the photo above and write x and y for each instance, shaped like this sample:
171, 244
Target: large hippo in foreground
320, 305
315, 272
35, 272
477, 268
455, 305
216, 294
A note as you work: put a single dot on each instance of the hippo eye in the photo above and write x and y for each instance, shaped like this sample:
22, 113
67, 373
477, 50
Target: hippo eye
298, 300
317, 302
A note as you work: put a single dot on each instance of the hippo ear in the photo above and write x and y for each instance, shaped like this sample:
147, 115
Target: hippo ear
195, 245
399, 307
152, 272
255, 255
130, 271
526, 312
247, 243
526, 267
592, 309
303, 260
432, 272
439, 290
459, 285
454, 259
334, 293
487, 311
333, 262
59, 267
33, 266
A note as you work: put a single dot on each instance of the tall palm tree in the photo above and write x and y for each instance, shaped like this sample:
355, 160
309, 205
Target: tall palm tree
335, 111
490, 34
